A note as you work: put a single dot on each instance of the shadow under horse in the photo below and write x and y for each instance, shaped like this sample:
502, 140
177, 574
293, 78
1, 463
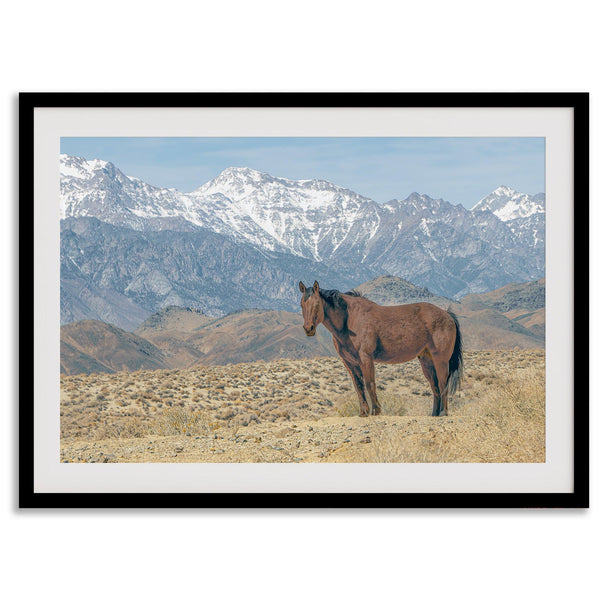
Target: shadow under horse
365, 333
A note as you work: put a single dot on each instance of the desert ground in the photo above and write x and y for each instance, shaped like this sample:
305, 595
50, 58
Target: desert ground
306, 410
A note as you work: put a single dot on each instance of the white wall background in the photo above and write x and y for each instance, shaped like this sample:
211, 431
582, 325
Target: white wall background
273, 46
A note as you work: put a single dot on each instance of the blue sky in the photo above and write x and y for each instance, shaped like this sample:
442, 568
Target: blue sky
459, 170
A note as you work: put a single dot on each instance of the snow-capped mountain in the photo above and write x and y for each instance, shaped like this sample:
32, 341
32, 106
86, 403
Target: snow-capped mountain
507, 204
96, 188
451, 250
307, 218
524, 214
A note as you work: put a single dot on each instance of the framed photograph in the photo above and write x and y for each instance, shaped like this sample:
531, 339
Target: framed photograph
303, 300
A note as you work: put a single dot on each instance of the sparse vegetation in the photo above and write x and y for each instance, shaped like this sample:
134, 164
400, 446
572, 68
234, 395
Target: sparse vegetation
306, 410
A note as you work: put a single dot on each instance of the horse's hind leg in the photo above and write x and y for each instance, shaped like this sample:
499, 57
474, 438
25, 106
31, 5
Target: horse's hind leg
442, 370
429, 371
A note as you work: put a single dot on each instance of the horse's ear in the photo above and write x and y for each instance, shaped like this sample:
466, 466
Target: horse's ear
302, 287
316, 287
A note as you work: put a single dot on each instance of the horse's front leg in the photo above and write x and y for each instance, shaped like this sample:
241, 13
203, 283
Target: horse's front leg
367, 366
359, 386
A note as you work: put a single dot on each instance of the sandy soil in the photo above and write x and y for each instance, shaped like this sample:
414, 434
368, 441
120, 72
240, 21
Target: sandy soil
348, 439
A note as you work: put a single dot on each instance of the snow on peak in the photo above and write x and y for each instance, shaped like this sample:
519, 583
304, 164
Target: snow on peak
80, 168
508, 204
241, 173
247, 187
236, 178
504, 189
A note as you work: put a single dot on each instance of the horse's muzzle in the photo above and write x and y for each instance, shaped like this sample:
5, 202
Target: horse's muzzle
310, 331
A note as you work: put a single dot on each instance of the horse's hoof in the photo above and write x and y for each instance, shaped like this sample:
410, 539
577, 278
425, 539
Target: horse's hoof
377, 411
363, 414
443, 413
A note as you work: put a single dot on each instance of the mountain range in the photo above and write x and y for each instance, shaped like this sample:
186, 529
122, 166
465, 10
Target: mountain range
245, 238
176, 337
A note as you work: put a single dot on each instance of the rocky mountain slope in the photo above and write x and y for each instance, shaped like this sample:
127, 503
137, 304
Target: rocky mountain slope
251, 335
388, 290
331, 233
522, 303
128, 275
96, 347
528, 296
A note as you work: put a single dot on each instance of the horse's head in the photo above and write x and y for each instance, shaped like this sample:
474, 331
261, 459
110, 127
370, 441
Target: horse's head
312, 308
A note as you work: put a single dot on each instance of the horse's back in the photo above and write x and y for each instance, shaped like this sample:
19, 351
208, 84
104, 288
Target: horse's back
420, 313
369, 313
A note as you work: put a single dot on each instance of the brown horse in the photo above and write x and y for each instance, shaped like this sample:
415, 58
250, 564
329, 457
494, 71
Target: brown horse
365, 333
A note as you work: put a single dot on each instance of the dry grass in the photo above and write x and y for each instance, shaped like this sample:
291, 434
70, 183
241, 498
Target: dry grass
183, 421
506, 424
499, 416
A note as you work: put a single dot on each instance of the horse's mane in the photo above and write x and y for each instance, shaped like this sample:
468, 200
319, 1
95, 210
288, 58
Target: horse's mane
355, 293
334, 297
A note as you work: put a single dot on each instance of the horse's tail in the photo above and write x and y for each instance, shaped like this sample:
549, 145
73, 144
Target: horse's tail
456, 360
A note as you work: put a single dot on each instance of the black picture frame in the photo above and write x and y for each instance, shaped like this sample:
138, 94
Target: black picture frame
578, 498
